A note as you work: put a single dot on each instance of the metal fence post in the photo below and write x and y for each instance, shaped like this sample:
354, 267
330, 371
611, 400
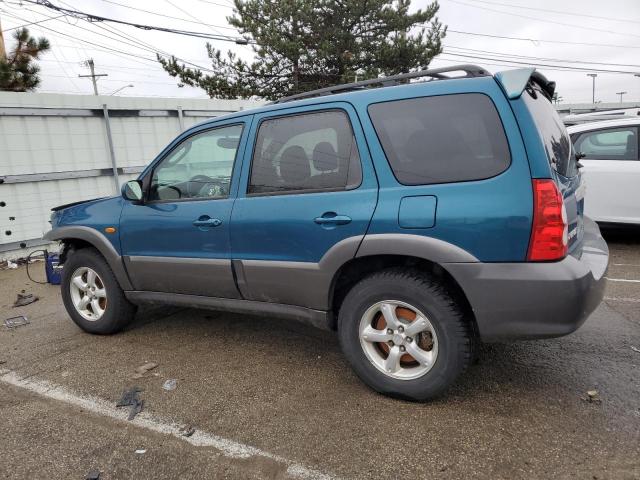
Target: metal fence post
180, 119
111, 149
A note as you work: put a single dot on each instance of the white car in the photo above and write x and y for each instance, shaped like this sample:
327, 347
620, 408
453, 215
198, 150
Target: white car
611, 169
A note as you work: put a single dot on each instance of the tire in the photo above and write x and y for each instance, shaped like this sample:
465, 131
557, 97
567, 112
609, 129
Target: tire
445, 345
108, 311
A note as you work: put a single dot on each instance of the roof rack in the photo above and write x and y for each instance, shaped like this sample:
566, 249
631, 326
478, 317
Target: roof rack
436, 73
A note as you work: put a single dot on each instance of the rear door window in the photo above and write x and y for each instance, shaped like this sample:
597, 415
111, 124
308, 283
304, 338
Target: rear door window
554, 134
304, 153
448, 138
610, 144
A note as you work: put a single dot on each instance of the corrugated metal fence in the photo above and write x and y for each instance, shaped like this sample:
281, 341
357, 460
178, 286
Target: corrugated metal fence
57, 149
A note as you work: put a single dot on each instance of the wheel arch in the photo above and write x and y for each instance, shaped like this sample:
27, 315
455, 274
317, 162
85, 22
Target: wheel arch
378, 252
82, 237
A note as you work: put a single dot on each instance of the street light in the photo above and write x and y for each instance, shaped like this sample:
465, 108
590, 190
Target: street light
593, 88
121, 88
621, 94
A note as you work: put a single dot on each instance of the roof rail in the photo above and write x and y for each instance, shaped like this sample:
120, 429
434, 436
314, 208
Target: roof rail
436, 73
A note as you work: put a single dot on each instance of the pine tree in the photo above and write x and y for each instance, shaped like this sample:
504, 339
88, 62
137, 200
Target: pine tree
18, 72
301, 45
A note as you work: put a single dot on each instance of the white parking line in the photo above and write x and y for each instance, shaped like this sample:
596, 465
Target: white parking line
622, 280
227, 447
625, 265
623, 299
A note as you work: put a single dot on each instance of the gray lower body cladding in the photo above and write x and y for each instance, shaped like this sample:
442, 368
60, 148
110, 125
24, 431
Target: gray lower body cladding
513, 301
317, 318
510, 301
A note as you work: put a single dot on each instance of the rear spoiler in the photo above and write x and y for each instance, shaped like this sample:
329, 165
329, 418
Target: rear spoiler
513, 82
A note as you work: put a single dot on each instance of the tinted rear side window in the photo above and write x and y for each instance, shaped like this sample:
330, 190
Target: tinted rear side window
449, 138
305, 153
554, 135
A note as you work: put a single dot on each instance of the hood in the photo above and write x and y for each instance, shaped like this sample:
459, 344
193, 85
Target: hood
89, 213
73, 204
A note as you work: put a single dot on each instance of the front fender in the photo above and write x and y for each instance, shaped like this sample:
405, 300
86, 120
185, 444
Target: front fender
100, 242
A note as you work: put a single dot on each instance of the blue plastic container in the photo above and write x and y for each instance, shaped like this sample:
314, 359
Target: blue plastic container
51, 267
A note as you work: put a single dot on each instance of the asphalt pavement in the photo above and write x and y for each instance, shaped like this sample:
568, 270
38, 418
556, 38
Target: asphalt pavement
265, 398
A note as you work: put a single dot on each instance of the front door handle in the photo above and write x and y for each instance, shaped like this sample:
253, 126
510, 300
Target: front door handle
207, 221
332, 218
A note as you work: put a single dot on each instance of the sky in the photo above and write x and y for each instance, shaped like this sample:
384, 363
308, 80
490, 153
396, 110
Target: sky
550, 33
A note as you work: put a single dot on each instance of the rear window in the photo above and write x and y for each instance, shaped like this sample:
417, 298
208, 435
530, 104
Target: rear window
448, 138
554, 135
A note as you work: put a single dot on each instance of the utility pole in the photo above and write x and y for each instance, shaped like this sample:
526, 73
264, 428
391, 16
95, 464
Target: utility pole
621, 94
593, 87
3, 52
94, 76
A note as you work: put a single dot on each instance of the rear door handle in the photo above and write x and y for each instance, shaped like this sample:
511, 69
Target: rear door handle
207, 221
332, 218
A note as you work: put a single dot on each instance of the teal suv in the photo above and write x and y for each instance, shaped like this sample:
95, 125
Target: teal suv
415, 215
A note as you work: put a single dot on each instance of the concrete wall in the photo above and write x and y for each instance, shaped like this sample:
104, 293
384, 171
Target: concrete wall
54, 149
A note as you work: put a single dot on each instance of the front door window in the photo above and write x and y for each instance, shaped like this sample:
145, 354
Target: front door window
199, 168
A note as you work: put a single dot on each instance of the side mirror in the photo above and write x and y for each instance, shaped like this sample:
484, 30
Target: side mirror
132, 190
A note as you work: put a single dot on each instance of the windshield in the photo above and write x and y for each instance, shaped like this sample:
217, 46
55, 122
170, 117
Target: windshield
556, 139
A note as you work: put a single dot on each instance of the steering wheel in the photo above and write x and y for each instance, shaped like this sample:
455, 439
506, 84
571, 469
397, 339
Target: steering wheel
211, 187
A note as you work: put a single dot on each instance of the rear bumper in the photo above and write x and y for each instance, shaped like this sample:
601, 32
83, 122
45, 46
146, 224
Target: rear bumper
514, 301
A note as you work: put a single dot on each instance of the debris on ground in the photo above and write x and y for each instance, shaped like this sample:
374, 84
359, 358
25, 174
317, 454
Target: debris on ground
170, 384
2, 362
11, 265
25, 299
592, 397
187, 430
635, 349
128, 397
15, 322
135, 409
143, 369
131, 398
93, 475
140, 451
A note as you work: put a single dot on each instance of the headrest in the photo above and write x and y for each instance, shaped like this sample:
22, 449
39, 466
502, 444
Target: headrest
294, 166
325, 158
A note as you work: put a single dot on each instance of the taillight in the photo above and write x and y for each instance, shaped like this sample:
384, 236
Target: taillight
549, 235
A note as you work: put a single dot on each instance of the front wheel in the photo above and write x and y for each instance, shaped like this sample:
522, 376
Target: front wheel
404, 335
91, 294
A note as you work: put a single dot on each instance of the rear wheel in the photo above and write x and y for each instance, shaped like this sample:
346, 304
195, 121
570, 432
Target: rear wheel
404, 335
91, 294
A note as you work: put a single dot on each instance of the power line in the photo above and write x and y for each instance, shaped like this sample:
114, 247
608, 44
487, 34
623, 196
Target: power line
149, 48
99, 18
538, 41
153, 60
547, 11
119, 81
33, 23
215, 3
165, 16
210, 27
542, 58
572, 25
577, 69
